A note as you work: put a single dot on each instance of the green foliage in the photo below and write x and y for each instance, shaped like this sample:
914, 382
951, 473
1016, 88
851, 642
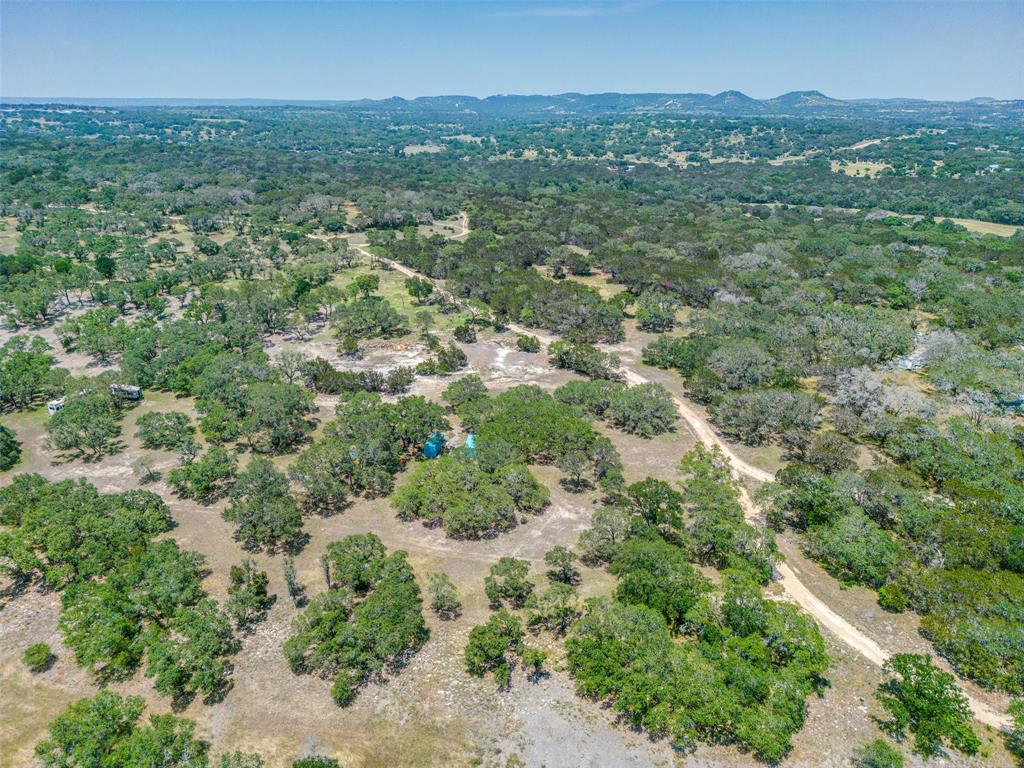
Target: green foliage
104, 732
554, 609
491, 645
527, 343
88, 425
465, 500
444, 598
645, 410
877, 754
419, 289
585, 359
262, 508
926, 701
350, 636
38, 657
206, 478
370, 317
759, 416
1015, 735
464, 390
561, 563
248, 600
657, 574
10, 448
239, 759
316, 762
27, 373
67, 531
508, 582
742, 676
656, 311
169, 430
100, 333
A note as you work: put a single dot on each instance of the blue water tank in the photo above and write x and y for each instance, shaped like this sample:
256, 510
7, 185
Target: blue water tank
471, 446
434, 445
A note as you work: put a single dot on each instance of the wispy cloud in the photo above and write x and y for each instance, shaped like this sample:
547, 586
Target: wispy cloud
580, 10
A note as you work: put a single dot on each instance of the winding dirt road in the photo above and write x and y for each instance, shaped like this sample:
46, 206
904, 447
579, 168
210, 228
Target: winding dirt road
794, 589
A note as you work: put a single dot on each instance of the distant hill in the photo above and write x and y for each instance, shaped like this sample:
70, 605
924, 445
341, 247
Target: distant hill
726, 103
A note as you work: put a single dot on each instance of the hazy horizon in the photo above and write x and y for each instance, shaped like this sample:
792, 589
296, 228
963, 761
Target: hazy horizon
340, 51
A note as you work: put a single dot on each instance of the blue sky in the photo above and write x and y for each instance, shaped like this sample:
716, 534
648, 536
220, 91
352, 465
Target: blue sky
344, 50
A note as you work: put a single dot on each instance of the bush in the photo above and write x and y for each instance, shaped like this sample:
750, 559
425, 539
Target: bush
262, 508
104, 731
554, 609
657, 574
240, 760
464, 390
444, 598
316, 762
465, 500
204, 479
585, 359
38, 657
645, 410
490, 644
353, 636
248, 600
1015, 736
594, 397
527, 344
892, 597
10, 448
925, 700
757, 416
877, 754
561, 563
508, 582
87, 425
170, 431
465, 333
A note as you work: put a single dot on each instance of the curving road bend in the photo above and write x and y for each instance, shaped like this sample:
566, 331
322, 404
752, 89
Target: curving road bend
794, 589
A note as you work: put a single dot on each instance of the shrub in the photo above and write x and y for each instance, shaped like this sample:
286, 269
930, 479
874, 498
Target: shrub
925, 700
316, 762
104, 731
38, 657
508, 582
645, 410
585, 359
350, 636
465, 500
87, 425
171, 431
10, 448
892, 597
490, 645
757, 416
444, 598
877, 754
592, 396
262, 508
465, 333
464, 390
204, 479
527, 343
561, 563
657, 574
248, 600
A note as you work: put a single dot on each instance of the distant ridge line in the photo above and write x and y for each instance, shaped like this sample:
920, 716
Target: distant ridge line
725, 103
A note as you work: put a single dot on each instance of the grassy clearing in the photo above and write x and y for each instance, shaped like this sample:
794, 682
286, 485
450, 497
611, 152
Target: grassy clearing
859, 168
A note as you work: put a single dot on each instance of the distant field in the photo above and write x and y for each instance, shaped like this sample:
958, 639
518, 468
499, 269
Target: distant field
860, 168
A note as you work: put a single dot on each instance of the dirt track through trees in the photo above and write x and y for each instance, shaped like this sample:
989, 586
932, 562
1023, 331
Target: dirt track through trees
793, 587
